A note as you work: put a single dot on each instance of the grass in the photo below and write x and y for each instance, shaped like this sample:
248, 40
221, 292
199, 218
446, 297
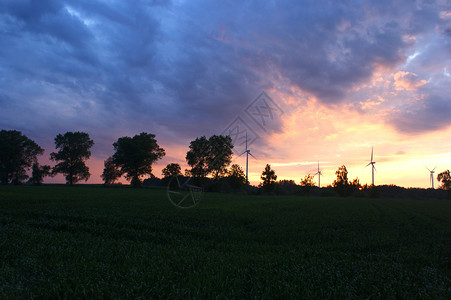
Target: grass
95, 242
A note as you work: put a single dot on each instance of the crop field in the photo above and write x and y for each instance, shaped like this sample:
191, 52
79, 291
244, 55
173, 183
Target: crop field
96, 242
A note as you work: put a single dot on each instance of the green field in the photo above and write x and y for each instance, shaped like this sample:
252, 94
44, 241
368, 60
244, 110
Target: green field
96, 242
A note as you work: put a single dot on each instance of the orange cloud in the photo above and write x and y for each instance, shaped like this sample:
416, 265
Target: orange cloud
407, 81
340, 135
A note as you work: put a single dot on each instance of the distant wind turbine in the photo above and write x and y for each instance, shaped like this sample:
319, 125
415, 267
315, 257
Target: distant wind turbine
432, 176
319, 173
248, 152
372, 163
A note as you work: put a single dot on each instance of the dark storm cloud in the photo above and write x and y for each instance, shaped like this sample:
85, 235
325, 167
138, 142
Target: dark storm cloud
189, 67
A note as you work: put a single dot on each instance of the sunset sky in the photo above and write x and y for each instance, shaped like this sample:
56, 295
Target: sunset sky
340, 77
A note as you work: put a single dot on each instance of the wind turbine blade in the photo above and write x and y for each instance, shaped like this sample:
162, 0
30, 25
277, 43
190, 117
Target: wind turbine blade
371, 153
434, 168
367, 165
428, 169
242, 153
374, 168
252, 155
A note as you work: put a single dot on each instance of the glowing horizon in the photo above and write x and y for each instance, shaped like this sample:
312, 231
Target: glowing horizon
343, 77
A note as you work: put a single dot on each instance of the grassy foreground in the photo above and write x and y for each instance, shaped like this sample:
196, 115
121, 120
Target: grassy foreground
95, 242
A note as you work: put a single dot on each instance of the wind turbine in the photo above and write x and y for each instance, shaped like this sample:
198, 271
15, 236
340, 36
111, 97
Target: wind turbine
372, 165
248, 152
319, 173
432, 175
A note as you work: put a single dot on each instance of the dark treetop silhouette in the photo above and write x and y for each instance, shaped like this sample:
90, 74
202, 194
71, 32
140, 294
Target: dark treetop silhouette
135, 156
210, 156
38, 173
269, 178
74, 150
110, 172
445, 178
17, 154
172, 169
236, 176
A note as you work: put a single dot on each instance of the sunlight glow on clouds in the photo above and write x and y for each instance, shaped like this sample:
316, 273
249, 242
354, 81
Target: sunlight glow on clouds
347, 75
407, 81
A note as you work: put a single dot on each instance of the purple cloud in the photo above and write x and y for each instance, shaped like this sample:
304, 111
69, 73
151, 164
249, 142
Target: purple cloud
189, 68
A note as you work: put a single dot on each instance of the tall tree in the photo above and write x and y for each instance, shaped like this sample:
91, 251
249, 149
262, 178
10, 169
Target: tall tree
110, 171
210, 156
74, 150
197, 157
220, 154
341, 184
342, 177
135, 156
38, 173
172, 169
269, 178
445, 178
17, 154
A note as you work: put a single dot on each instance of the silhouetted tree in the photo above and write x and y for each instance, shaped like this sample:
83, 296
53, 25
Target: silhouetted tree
110, 171
341, 184
74, 150
17, 154
38, 173
211, 155
236, 176
269, 178
197, 157
220, 154
445, 179
355, 185
307, 181
342, 176
286, 186
135, 156
172, 169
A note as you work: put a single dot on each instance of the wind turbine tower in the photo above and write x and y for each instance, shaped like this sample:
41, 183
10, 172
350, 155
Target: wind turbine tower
432, 176
372, 163
248, 152
319, 173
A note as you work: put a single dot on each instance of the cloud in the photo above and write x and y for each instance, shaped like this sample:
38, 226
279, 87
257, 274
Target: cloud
407, 81
429, 114
187, 69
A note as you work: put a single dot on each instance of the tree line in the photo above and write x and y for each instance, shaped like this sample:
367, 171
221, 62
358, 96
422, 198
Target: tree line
134, 156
